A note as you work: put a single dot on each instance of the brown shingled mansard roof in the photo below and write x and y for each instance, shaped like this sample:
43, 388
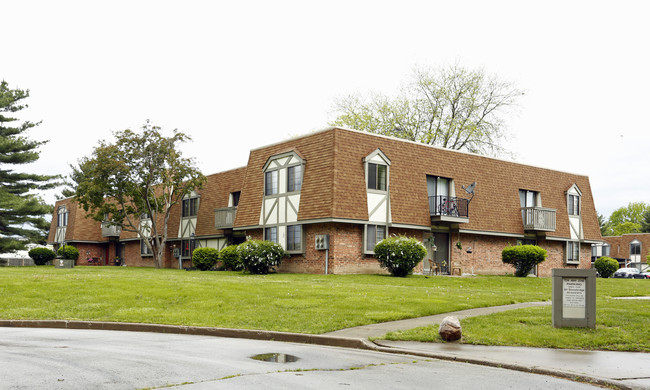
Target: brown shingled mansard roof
334, 183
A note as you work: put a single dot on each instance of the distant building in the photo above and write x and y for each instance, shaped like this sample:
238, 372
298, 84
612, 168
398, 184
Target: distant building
627, 248
358, 188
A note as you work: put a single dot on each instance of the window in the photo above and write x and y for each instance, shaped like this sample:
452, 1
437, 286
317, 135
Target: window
190, 207
62, 217
295, 178
374, 234
574, 205
144, 249
145, 216
377, 177
271, 234
271, 183
187, 247
573, 252
606, 250
635, 248
235, 198
528, 198
294, 238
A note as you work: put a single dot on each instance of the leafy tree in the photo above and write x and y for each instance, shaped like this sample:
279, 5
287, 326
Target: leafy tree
604, 225
140, 174
21, 211
451, 107
645, 222
627, 219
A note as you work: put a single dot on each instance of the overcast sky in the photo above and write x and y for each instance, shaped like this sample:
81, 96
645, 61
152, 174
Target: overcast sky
237, 75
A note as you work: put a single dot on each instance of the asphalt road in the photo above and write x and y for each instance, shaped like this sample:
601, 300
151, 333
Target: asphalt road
32, 358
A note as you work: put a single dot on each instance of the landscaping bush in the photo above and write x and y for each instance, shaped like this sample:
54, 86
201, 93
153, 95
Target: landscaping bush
606, 266
41, 255
68, 252
205, 258
523, 257
230, 258
399, 254
258, 257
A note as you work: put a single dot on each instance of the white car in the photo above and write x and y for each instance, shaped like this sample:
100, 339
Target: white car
626, 272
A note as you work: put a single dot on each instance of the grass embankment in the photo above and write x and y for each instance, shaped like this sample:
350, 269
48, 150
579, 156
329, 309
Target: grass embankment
320, 303
282, 302
621, 325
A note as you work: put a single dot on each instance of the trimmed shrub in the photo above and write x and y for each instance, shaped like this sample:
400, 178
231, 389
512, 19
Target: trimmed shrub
258, 257
205, 258
41, 255
606, 266
230, 257
68, 252
523, 258
399, 254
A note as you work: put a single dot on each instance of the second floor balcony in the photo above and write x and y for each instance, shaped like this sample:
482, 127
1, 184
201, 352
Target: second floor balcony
110, 230
538, 219
224, 218
448, 209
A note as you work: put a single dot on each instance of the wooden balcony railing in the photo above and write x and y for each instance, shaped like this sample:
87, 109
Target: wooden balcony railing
224, 218
109, 230
538, 218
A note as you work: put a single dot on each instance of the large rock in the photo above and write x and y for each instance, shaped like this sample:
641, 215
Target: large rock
450, 329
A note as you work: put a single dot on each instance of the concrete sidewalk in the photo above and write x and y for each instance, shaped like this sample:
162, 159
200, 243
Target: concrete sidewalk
625, 370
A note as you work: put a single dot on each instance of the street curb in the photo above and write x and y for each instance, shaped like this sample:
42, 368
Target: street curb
331, 341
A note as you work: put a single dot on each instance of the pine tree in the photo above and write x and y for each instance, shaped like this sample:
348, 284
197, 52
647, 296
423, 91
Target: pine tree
22, 212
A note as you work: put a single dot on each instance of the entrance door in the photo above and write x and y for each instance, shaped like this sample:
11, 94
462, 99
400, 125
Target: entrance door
441, 242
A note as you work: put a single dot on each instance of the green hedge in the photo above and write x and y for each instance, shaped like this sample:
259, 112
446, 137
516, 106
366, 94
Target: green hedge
523, 257
606, 266
205, 258
41, 255
230, 258
258, 257
399, 254
68, 252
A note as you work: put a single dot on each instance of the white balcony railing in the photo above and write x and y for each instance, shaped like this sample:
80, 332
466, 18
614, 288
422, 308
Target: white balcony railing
109, 230
538, 218
224, 218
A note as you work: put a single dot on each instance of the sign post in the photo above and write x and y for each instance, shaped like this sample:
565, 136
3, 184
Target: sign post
574, 298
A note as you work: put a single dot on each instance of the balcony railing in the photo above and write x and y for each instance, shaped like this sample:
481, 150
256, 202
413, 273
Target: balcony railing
447, 206
224, 218
538, 218
110, 230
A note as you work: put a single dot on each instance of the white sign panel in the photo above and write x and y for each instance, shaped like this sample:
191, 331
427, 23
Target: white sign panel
574, 297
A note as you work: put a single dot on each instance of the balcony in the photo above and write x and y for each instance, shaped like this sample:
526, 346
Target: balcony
538, 219
110, 230
448, 209
224, 218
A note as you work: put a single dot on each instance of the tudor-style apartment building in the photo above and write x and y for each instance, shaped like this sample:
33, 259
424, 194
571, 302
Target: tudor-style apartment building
344, 190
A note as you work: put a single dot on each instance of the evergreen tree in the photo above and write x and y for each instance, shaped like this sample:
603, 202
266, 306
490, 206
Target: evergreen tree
22, 212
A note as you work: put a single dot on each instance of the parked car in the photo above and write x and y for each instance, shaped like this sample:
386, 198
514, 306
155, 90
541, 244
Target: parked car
626, 273
642, 275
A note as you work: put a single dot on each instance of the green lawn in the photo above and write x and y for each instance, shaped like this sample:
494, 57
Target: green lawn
621, 325
296, 303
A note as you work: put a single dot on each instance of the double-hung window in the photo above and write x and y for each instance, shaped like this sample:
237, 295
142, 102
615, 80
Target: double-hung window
573, 252
574, 205
374, 234
294, 237
271, 233
190, 207
271, 183
294, 176
635, 248
377, 176
144, 249
62, 217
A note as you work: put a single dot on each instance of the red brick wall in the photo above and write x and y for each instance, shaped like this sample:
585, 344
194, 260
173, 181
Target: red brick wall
97, 251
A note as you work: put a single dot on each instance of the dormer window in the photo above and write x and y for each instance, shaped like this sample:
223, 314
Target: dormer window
294, 178
271, 183
62, 217
377, 172
377, 177
190, 207
574, 205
